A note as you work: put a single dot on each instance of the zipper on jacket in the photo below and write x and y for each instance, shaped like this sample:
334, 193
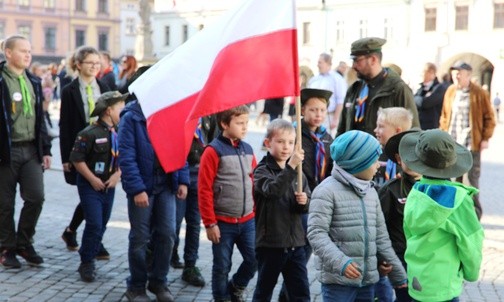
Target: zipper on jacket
237, 150
366, 239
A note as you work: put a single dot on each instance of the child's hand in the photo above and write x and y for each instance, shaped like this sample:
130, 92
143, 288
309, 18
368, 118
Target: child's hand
296, 158
301, 197
182, 192
213, 234
384, 268
97, 183
352, 271
113, 180
404, 285
141, 200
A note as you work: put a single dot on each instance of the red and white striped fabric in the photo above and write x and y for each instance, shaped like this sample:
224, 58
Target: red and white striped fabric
250, 53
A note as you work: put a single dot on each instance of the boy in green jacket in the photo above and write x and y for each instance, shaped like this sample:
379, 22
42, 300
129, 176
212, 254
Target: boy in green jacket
443, 235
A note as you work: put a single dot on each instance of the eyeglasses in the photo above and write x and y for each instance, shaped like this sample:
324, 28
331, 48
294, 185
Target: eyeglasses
94, 64
358, 59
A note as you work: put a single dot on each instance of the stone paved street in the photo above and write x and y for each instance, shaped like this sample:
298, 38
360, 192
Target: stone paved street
58, 279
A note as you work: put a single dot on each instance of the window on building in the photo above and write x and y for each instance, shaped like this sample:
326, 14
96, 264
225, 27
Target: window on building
49, 4
130, 26
185, 33
430, 19
167, 35
24, 4
80, 37
80, 5
498, 15
25, 31
461, 17
387, 28
103, 41
103, 6
363, 28
340, 31
306, 33
50, 38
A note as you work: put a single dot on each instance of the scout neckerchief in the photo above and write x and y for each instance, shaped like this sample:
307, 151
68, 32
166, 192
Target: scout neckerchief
360, 108
320, 165
114, 150
390, 170
90, 100
198, 134
27, 108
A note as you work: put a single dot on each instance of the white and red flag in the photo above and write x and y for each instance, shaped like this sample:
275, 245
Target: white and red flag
250, 53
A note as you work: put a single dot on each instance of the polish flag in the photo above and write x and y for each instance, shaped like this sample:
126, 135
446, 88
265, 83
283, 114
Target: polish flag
249, 54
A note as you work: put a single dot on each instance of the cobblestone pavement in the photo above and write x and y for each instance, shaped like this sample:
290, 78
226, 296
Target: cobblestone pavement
58, 279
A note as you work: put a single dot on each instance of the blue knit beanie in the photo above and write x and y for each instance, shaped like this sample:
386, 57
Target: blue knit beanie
355, 151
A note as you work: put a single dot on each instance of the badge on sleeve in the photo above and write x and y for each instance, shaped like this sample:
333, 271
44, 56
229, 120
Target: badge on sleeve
99, 167
17, 97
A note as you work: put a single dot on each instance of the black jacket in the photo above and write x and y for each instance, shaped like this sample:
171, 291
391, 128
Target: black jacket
278, 215
393, 199
72, 121
429, 104
42, 140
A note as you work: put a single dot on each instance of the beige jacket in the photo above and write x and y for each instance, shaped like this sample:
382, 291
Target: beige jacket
482, 119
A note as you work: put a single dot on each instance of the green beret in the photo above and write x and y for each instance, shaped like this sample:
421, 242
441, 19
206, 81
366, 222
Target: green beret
366, 46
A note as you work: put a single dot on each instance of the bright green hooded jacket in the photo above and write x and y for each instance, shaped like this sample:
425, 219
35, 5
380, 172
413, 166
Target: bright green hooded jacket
444, 239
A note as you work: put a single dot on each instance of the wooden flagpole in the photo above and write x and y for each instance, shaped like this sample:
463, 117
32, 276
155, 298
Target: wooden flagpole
299, 144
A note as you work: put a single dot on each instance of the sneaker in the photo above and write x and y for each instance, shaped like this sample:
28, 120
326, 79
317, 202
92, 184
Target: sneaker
8, 259
236, 292
70, 239
192, 275
162, 293
29, 254
103, 254
137, 295
87, 271
175, 261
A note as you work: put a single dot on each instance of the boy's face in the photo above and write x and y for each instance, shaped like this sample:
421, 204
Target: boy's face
314, 112
384, 131
369, 173
281, 144
237, 128
114, 111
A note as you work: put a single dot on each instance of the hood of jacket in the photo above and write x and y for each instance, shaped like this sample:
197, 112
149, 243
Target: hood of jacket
435, 201
359, 186
135, 109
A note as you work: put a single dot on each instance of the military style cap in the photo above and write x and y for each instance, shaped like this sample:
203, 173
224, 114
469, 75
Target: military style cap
366, 46
461, 66
106, 100
308, 93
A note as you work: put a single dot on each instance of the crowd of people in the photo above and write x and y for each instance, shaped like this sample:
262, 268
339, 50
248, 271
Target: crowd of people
381, 204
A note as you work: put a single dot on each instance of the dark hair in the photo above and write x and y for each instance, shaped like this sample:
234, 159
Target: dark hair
80, 55
224, 117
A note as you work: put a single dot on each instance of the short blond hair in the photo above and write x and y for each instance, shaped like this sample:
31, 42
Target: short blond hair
397, 117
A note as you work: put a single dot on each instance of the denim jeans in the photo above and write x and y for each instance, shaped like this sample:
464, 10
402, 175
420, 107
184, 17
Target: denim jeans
25, 169
340, 293
189, 210
383, 290
97, 207
152, 226
243, 235
291, 262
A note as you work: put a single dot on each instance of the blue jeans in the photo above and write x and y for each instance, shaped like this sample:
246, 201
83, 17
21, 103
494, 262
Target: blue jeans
97, 206
153, 226
383, 290
189, 210
340, 293
243, 235
291, 262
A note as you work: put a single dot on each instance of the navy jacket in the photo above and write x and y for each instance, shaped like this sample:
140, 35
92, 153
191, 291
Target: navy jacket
137, 159
42, 140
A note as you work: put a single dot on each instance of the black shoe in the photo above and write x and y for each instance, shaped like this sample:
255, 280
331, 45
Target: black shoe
162, 293
137, 296
175, 261
236, 292
103, 254
70, 239
192, 275
29, 254
87, 271
8, 259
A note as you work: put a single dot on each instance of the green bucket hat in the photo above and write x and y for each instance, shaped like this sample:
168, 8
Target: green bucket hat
106, 100
435, 153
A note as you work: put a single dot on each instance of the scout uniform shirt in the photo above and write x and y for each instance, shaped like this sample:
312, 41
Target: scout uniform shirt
97, 145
